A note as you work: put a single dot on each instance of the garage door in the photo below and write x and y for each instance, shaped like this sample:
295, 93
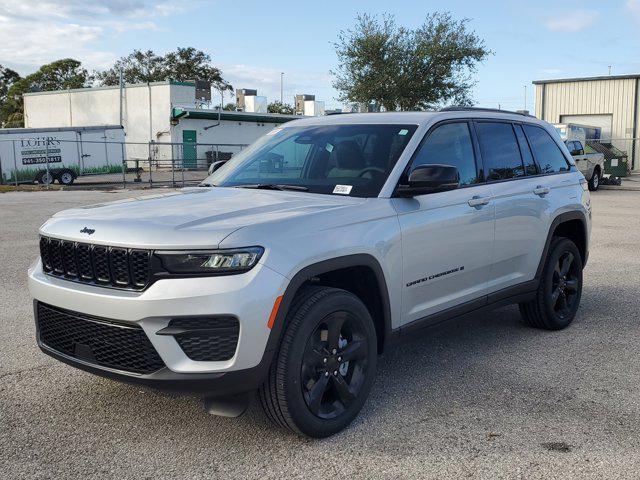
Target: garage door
605, 122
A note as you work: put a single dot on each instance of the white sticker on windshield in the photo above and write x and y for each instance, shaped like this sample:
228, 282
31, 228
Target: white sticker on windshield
343, 189
404, 131
329, 147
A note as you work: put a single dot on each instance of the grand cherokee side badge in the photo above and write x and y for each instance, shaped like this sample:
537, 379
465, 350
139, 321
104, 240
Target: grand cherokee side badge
87, 230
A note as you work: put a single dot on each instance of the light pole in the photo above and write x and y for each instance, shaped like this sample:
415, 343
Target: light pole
281, 88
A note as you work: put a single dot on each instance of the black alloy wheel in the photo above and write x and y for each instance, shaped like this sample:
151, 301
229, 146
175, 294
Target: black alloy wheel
558, 296
565, 285
334, 365
325, 365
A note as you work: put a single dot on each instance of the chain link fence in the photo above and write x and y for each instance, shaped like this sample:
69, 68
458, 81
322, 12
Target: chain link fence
109, 163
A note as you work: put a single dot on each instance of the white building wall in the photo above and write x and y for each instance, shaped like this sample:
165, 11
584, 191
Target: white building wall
146, 111
228, 132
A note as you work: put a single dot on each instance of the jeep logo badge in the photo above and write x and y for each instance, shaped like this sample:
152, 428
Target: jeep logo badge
87, 230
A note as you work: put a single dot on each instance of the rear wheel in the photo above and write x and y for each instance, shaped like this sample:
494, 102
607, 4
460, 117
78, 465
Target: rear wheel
560, 289
326, 364
66, 177
594, 183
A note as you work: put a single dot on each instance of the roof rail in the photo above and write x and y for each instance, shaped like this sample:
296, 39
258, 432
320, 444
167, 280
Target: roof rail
480, 109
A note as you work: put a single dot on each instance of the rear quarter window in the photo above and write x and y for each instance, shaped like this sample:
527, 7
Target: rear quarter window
547, 153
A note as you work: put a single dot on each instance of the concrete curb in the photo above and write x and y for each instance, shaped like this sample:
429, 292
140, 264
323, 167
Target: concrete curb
624, 188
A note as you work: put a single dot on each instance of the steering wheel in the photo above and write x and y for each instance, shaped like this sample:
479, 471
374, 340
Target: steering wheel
372, 169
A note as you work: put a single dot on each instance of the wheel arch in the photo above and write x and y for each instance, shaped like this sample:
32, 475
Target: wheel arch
572, 225
338, 272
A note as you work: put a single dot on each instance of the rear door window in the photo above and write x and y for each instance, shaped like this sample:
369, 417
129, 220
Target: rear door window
500, 151
545, 150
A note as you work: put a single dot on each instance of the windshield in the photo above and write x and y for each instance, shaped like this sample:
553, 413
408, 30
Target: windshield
350, 160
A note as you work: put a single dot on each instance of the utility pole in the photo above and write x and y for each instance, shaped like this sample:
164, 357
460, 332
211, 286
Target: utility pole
525, 97
609, 70
281, 88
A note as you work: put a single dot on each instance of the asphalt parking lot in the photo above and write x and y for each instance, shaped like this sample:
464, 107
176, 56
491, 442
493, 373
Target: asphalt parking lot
481, 398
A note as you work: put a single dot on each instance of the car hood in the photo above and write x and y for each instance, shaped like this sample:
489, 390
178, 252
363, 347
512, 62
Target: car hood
189, 218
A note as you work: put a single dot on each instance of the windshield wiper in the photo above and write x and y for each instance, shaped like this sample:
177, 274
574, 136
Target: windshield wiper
274, 186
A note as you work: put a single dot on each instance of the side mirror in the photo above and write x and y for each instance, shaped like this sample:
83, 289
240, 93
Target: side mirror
430, 179
576, 152
216, 165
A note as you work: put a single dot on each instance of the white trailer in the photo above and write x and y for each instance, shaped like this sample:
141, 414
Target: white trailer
44, 155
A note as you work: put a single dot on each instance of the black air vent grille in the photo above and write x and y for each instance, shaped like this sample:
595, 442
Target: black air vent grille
96, 264
96, 340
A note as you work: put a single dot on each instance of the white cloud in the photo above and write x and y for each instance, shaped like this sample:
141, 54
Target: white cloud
35, 32
572, 22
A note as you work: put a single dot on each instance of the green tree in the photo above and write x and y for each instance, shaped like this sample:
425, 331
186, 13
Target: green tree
404, 69
277, 107
230, 107
7, 78
182, 64
58, 75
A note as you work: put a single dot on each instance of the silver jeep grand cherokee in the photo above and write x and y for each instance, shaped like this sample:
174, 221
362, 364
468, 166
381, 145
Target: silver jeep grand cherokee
296, 263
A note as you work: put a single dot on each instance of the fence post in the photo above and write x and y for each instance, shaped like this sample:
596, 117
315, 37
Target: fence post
15, 164
150, 180
173, 166
49, 177
182, 162
124, 167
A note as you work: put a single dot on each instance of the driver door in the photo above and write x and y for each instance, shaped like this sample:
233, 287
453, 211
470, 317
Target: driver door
447, 237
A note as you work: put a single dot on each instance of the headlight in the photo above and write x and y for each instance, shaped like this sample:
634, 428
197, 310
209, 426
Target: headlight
211, 261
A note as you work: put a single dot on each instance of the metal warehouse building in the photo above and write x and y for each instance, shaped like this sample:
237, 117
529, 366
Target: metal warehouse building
611, 103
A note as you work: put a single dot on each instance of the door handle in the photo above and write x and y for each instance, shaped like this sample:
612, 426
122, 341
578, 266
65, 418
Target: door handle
478, 202
541, 191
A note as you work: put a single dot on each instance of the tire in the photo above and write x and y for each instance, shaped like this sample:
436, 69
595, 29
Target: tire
43, 179
557, 289
66, 176
306, 364
594, 182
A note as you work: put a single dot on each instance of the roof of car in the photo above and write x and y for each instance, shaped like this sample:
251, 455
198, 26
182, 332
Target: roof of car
412, 118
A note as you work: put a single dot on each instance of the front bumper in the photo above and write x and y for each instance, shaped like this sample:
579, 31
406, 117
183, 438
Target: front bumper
212, 384
249, 297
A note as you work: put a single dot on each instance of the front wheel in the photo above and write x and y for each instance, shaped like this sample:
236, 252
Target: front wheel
326, 364
560, 289
44, 178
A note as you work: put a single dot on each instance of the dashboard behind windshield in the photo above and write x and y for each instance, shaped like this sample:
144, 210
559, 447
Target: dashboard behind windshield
349, 159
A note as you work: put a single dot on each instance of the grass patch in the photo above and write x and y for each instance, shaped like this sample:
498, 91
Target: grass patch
29, 174
28, 188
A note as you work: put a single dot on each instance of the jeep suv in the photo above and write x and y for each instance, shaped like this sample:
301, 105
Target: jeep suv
291, 267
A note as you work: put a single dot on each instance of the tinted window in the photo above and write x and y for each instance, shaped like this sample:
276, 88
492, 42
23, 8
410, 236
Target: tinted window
319, 158
500, 151
546, 152
577, 146
449, 144
527, 157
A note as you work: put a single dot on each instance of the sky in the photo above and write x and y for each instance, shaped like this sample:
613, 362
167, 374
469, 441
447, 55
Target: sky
252, 42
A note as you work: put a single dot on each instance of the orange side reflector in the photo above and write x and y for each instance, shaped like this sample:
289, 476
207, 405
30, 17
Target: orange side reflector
274, 312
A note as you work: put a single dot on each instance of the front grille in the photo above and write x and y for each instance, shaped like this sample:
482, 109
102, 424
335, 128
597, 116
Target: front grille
207, 339
96, 264
97, 340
